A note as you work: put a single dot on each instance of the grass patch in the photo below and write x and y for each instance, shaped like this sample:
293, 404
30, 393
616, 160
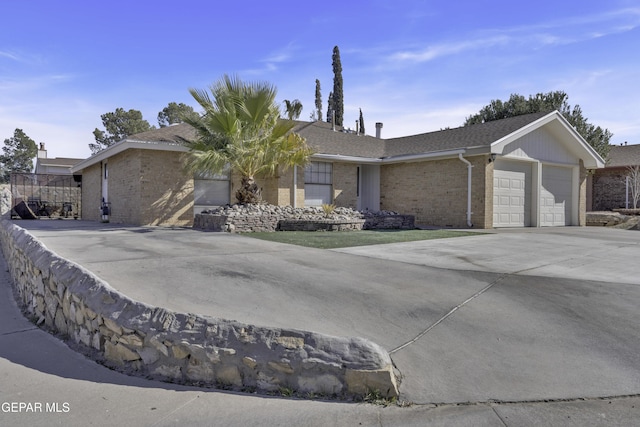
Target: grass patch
345, 239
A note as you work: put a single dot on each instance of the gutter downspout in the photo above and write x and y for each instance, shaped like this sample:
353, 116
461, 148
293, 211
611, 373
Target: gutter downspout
469, 166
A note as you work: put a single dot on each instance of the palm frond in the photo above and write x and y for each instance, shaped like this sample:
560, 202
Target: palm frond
241, 128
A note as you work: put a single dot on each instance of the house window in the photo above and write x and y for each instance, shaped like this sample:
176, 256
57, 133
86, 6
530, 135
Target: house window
318, 184
210, 190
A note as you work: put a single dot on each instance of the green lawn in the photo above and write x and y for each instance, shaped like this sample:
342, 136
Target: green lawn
345, 239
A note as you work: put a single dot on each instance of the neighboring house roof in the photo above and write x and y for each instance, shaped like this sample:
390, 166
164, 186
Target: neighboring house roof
484, 138
623, 155
56, 164
59, 162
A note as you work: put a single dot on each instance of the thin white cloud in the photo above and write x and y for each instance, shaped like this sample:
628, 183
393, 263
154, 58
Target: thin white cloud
9, 55
545, 34
444, 49
21, 85
272, 61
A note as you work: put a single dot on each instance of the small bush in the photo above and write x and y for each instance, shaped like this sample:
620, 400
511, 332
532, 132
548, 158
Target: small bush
328, 209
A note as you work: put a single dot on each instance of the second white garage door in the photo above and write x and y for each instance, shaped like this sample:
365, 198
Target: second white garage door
511, 194
556, 196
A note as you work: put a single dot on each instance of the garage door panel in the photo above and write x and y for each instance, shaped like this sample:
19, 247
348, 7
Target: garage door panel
556, 196
512, 194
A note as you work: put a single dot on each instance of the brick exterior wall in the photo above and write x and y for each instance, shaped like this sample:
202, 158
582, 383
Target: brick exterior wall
608, 190
279, 190
91, 192
582, 202
435, 192
166, 191
345, 185
124, 184
145, 187
484, 216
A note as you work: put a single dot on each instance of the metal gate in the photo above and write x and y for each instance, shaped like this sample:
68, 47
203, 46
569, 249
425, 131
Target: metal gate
42, 195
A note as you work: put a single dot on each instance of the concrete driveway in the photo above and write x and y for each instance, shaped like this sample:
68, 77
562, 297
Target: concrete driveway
516, 316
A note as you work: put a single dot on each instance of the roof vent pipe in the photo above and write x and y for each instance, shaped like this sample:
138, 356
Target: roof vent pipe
333, 120
378, 130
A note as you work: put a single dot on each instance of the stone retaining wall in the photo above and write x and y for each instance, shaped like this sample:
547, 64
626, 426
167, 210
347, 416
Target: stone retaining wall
244, 219
389, 222
184, 348
320, 225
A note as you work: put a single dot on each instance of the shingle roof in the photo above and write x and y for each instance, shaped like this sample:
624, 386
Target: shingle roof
320, 136
623, 155
339, 142
166, 134
478, 135
323, 140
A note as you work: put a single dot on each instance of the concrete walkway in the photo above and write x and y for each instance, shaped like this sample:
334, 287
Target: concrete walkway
522, 316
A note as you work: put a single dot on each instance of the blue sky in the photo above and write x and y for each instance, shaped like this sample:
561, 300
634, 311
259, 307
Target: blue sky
416, 66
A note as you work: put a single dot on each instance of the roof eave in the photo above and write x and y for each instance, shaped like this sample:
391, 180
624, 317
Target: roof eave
589, 156
403, 158
127, 144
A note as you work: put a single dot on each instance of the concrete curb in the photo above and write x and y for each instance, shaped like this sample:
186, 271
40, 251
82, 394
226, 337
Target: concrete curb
186, 348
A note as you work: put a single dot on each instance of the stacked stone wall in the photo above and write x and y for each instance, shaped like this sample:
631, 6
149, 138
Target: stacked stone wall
184, 348
258, 218
320, 225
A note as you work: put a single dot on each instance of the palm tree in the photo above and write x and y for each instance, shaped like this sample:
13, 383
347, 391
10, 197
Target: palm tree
293, 108
241, 129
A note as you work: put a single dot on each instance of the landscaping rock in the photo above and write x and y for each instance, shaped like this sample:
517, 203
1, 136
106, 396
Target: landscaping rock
264, 217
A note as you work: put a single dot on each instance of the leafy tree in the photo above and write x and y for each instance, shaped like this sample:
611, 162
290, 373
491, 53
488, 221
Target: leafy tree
18, 154
318, 101
330, 108
293, 108
118, 125
517, 105
338, 98
174, 113
361, 120
241, 129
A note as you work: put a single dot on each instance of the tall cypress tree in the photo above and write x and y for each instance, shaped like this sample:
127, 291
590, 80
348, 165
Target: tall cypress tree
338, 97
330, 107
361, 123
318, 101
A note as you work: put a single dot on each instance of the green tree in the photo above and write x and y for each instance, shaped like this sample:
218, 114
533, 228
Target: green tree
293, 109
330, 108
318, 101
174, 113
517, 105
241, 129
361, 120
338, 97
18, 154
118, 125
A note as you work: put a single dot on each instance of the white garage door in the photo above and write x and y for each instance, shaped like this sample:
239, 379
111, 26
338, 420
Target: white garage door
555, 196
511, 194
